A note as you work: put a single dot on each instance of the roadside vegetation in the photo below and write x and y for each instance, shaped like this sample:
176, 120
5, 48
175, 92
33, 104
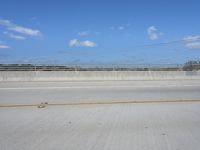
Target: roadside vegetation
188, 66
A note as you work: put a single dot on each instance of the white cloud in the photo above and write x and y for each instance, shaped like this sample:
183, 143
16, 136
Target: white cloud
153, 33
17, 37
77, 43
84, 33
73, 43
120, 28
14, 36
194, 45
192, 42
192, 38
26, 31
19, 29
4, 46
88, 44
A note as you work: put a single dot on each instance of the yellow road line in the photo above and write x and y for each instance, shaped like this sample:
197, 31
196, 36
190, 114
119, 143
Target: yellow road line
19, 105
100, 103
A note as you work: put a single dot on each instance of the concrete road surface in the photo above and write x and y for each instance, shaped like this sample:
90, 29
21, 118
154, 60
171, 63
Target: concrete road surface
146, 126
163, 126
91, 91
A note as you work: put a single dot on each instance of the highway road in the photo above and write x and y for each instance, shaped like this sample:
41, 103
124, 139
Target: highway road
95, 91
124, 126
149, 126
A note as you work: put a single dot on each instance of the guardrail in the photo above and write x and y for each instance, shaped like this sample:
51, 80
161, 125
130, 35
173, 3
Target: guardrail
121, 67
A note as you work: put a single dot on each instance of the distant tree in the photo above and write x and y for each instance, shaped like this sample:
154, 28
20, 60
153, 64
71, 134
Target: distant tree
191, 65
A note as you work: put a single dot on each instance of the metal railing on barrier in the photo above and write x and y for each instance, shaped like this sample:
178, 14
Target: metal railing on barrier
121, 67
115, 67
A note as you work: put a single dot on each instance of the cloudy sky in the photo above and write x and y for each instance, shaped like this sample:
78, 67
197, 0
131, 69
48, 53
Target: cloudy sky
99, 32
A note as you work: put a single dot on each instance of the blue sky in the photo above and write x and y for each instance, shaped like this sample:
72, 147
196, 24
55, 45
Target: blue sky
99, 32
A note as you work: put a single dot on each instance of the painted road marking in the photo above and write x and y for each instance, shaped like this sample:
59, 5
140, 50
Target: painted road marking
78, 87
101, 103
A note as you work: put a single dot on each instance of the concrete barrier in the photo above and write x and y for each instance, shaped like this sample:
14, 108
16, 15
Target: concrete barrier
96, 75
